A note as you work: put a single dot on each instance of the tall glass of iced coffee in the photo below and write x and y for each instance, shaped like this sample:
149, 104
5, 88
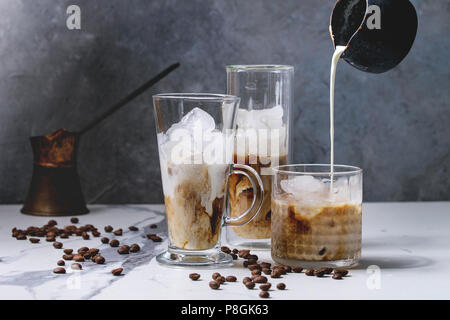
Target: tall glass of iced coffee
316, 215
195, 135
262, 142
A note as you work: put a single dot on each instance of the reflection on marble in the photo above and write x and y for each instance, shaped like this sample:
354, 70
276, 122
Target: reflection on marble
404, 257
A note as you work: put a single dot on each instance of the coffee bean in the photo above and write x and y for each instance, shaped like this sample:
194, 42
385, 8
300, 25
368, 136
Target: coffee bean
246, 279
220, 279
297, 269
117, 272
249, 284
256, 272
265, 286
244, 253
245, 264
231, 279
327, 270
78, 258
252, 256
337, 276
252, 261
234, 256
133, 228
215, 275
76, 266
214, 285
108, 229
52, 223
194, 276
68, 251
275, 274
74, 220
319, 273
99, 259
264, 294
22, 236
60, 263
134, 247
254, 267
265, 265
266, 271
154, 237
50, 239
83, 249
114, 243
93, 251
260, 279
153, 226
124, 249
85, 236
64, 235
281, 286
59, 270
104, 240
280, 269
225, 249
34, 240
235, 251
118, 232
288, 268
96, 234
67, 257
309, 272
57, 245
342, 272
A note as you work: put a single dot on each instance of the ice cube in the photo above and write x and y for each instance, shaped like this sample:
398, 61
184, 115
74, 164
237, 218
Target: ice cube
302, 185
195, 120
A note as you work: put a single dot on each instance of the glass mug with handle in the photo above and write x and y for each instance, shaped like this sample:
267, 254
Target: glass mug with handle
195, 135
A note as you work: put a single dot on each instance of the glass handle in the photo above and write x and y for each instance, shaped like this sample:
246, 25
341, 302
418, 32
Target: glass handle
255, 207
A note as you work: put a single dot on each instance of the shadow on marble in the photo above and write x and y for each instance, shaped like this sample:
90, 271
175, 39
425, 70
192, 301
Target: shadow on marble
405, 262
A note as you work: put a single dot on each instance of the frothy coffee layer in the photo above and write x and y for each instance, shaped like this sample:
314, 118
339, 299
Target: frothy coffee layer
315, 233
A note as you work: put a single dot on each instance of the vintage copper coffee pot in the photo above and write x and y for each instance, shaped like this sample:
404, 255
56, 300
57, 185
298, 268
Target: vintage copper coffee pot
55, 188
378, 33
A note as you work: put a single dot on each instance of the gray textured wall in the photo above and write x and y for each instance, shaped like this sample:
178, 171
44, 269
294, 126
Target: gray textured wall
395, 125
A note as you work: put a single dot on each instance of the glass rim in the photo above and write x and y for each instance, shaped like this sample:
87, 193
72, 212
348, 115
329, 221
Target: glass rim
197, 96
348, 169
260, 67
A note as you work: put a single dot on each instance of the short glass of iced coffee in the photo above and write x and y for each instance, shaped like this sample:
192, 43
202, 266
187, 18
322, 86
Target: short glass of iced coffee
195, 134
316, 215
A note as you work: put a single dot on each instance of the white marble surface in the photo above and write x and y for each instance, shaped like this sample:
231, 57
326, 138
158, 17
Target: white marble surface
409, 242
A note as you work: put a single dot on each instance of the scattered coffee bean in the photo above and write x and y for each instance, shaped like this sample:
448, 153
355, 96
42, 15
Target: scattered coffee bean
99, 259
252, 256
64, 235
234, 256
67, 257
59, 270
50, 239
342, 272
260, 279
76, 266
266, 271
235, 251
319, 273
104, 240
288, 268
74, 220
52, 223
265, 286
68, 251
249, 284
214, 285
281, 286
194, 276
264, 294
108, 229
57, 245
244, 253
256, 272
153, 226
117, 272
231, 279
337, 276
280, 269
85, 236
34, 240
134, 247
96, 234
124, 249
78, 258
245, 264
114, 243
252, 261
22, 237
133, 228
225, 249
60, 263
309, 272
215, 275
83, 249
275, 274
93, 251
254, 267
220, 279
154, 237
327, 270
297, 269
118, 232
265, 265
246, 279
